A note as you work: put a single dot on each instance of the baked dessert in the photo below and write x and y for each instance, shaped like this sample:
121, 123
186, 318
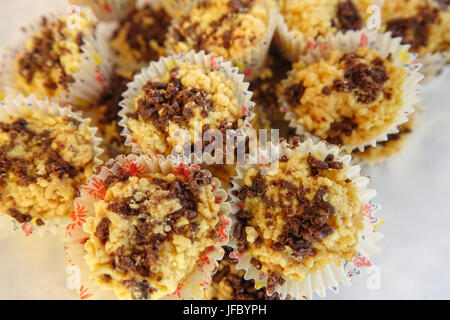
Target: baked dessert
139, 38
44, 159
348, 98
424, 24
150, 230
299, 216
229, 283
184, 103
52, 56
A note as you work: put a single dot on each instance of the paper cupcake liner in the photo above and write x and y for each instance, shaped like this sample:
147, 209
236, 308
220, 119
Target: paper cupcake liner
94, 68
177, 8
12, 106
350, 42
78, 272
158, 69
252, 62
331, 275
433, 64
107, 10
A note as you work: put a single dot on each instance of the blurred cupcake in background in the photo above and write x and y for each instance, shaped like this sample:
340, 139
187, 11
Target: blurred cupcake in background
423, 24
238, 31
308, 22
353, 93
139, 37
46, 154
60, 59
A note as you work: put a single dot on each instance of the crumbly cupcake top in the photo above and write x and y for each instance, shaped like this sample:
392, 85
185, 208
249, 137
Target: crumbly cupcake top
385, 149
227, 28
141, 34
189, 97
43, 161
349, 98
425, 25
298, 219
104, 114
148, 233
314, 18
51, 56
229, 283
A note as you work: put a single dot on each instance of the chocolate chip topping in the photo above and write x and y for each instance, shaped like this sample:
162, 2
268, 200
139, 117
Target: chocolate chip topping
294, 93
415, 30
345, 126
42, 58
164, 102
241, 289
348, 16
273, 280
140, 290
140, 33
102, 230
316, 165
20, 217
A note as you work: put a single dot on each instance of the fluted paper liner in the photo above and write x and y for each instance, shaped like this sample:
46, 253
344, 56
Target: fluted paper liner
252, 62
94, 69
107, 10
350, 42
78, 271
158, 69
433, 64
332, 275
12, 106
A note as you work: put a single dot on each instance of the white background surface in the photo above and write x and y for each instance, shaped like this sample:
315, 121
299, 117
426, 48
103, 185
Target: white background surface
413, 189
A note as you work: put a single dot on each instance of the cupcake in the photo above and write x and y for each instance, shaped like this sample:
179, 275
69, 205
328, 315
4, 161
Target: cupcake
386, 149
46, 154
151, 228
104, 115
298, 218
307, 22
229, 283
353, 92
175, 102
425, 25
107, 10
139, 38
238, 31
61, 59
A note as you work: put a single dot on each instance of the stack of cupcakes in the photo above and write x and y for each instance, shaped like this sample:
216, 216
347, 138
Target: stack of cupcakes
158, 215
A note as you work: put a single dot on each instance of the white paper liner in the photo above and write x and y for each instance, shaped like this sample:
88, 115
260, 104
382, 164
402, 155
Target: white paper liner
94, 68
78, 272
12, 106
252, 62
158, 69
433, 64
107, 10
350, 42
332, 275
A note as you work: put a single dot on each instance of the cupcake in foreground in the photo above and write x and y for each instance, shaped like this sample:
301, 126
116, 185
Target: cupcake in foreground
352, 96
300, 219
46, 154
61, 59
174, 102
104, 115
425, 25
238, 31
229, 284
139, 38
387, 149
306, 21
154, 228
